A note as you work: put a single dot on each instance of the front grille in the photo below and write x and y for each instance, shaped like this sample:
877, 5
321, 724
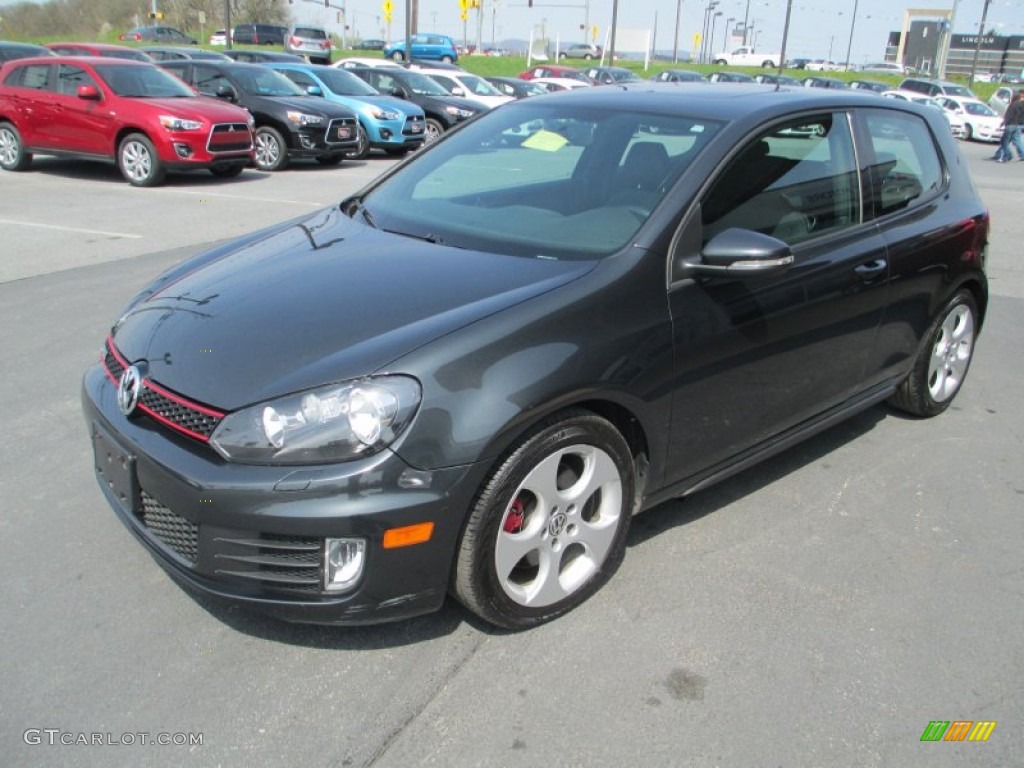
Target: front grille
168, 408
275, 561
229, 137
413, 126
342, 130
177, 533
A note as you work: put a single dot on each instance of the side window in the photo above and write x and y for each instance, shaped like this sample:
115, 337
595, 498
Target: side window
906, 167
70, 78
35, 76
794, 182
446, 82
208, 80
301, 79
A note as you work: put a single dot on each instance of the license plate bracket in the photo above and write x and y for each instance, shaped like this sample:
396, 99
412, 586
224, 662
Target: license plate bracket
115, 469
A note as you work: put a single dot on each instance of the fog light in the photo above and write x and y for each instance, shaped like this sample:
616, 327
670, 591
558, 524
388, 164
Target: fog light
385, 133
183, 150
343, 563
307, 143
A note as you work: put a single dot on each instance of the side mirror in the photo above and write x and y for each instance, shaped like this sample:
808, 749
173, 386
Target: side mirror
314, 90
227, 93
739, 253
88, 92
456, 91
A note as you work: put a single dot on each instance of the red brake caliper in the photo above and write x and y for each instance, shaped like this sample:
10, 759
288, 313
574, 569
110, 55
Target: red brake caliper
514, 519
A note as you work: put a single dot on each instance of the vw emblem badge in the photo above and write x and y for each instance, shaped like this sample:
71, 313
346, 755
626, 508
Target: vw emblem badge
128, 390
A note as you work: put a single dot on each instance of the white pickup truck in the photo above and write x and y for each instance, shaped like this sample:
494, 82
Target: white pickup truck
745, 56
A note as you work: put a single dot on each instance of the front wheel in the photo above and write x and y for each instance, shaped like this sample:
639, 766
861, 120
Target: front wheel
138, 161
271, 150
398, 56
942, 361
721, 62
549, 526
432, 131
768, 64
362, 148
13, 156
968, 132
447, 59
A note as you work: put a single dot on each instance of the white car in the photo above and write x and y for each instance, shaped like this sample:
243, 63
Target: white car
220, 37
366, 61
560, 83
957, 126
981, 121
459, 83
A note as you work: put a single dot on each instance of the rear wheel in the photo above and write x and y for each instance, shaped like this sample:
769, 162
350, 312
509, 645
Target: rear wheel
447, 59
271, 150
549, 527
13, 156
138, 161
968, 132
398, 56
432, 131
942, 361
720, 62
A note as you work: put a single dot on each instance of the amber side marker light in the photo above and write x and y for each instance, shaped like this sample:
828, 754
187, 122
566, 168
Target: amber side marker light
408, 535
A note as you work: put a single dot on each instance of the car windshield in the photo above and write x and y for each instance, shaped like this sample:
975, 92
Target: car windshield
133, 55
477, 86
261, 81
311, 32
344, 83
977, 108
557, 181
142, 82
420, 84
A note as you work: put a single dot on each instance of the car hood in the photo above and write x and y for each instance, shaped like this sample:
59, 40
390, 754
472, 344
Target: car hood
200, 107
315, 301
310, 104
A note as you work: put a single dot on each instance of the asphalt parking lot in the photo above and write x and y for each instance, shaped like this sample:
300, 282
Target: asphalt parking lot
818, 610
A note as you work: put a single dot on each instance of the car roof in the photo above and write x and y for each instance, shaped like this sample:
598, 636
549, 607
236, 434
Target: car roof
94, 46
90, 60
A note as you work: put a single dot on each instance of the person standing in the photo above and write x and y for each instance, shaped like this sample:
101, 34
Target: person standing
1013, 123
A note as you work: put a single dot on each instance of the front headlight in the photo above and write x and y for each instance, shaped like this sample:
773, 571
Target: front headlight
335, 423
172, 123
304, 118
383, 114
456, 112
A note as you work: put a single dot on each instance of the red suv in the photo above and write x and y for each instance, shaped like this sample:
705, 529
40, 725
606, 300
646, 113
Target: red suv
133, 113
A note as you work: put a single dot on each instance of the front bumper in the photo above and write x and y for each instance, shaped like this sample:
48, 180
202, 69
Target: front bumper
225, 144
389, 134
339, 135
252, 535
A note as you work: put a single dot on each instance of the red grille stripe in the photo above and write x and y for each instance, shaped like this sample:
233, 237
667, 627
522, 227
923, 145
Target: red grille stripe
181, 401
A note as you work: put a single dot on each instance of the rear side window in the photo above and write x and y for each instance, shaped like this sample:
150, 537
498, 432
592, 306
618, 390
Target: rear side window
35, 76
907, 168
795, 182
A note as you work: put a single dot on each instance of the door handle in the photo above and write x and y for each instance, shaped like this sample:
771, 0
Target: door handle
871, 268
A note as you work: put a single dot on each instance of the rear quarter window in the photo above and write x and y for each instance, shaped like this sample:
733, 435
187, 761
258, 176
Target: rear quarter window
907, 167
34, 76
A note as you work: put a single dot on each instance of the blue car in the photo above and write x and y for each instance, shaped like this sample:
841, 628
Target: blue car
425, 47
387, 123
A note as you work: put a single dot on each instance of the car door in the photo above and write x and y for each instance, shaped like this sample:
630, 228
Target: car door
82, 125
771, 352
30, 99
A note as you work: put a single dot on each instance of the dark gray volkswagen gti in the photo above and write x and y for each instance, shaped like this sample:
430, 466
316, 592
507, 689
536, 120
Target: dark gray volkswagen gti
468, 377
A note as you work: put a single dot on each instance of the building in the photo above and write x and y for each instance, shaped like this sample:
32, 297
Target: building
997, 55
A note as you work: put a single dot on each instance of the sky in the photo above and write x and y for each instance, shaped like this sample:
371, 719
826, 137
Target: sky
818, 28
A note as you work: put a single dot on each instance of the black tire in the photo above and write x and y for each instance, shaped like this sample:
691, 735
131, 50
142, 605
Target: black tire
13, 156
588, 56
563, 55
362, 148
942, 360
138, 161
271, 149
768, 64
499, 575
721, 63
397, 56
968, 132
446, 59
227, 171
433, 130
333, 159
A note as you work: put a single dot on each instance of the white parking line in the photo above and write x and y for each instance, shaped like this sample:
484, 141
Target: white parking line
69, 229
204, 193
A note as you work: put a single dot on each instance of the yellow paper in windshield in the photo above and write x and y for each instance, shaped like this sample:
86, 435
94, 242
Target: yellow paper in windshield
546, 141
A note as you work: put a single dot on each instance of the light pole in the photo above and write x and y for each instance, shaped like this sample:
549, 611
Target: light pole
746, 16
711, 37
725, 36
977, 47
849, 45
712, 4
675, 39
